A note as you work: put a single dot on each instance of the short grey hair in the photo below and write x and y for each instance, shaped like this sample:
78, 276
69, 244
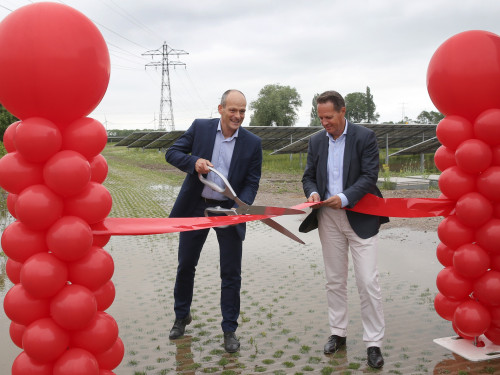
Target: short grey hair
224, 96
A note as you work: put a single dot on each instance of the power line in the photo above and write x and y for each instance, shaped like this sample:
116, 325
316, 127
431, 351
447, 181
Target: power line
166, 94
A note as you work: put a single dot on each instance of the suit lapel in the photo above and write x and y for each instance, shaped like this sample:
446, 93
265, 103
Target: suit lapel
236, 152
323, 163
349, 146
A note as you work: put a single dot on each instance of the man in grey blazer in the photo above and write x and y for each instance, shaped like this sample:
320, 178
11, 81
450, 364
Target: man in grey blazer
237, 154
342, 166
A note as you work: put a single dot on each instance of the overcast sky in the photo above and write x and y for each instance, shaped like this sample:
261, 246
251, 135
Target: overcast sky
312, 46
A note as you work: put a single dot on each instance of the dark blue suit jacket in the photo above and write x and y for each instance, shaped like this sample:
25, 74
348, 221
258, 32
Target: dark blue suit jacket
360, 174
198, 142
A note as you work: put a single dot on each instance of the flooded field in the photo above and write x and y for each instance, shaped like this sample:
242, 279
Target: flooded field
283, 322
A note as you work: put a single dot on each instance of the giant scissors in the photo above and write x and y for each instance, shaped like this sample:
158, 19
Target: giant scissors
245, 209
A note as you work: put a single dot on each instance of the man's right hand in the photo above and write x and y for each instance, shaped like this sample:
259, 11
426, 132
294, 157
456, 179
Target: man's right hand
202, 165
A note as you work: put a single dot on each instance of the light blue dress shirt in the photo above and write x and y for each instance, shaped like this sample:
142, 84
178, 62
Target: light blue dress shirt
221, 159
335, 166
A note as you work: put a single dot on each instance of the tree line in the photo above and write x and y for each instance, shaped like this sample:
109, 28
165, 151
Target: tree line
277, 105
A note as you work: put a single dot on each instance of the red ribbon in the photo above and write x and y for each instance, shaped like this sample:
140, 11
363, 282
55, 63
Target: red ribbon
369, 204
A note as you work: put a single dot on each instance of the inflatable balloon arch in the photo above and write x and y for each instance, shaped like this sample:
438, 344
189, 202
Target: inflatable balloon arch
54, 71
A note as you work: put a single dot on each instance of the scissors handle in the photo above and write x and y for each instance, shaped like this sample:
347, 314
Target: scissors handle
227, 191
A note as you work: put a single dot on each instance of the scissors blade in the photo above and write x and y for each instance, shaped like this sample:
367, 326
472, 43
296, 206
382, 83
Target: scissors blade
280, 228
267, 210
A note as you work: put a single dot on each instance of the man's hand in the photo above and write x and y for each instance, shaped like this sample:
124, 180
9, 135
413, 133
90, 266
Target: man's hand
333, 202
314, 198
202, 165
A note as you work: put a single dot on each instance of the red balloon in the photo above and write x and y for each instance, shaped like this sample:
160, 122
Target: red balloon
45, 341
20, 242
105, 295
69, 238
76, 361
444, 254
496, 209
465, 63
23, 308
16, 332
16, 173
453, 233
444, 158
495, 264
445, 307
488, 183
37, 139
99, 169
471, 261
106, 372
23, 365
452, 285
98, 336
495, 155
487, 125
495, 315
11, 204
73, 307
453, 130
43, 275
472, 318
13, 270
493, 334
488, 236
461, 334
101, 240
454, 182
111, 358
72, 67
487, 288
93, 204
473, 209
93, 270
38, 207
473, 156
67, 173
86, 136
9, 135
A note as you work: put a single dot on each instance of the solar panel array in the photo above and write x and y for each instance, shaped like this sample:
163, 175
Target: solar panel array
412, 139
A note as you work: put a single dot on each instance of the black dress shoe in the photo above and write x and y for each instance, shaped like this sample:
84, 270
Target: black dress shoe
375, 358
179, 327
231, 343
334, 344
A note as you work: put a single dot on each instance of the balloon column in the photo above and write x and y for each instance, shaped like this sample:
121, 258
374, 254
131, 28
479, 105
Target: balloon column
54, 70
463, 80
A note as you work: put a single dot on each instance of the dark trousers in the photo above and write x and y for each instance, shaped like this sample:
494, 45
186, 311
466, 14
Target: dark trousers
230, 252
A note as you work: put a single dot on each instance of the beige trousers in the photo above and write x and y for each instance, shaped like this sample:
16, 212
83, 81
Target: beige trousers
337, 237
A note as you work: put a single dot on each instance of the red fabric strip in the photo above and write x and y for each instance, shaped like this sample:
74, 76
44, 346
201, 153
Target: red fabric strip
369, 204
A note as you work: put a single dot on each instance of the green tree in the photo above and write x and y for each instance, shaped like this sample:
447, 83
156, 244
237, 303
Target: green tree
431, 117
314, 113
276, 105
6, 118
360, 107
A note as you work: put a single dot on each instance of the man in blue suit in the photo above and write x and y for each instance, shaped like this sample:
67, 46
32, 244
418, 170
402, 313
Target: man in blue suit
342, 166
237, 154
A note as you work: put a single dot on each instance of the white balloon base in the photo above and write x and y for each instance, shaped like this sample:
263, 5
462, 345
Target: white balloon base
469, 350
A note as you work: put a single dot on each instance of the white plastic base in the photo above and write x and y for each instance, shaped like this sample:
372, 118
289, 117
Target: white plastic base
467, 349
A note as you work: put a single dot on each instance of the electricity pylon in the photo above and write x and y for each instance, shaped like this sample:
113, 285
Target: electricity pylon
166, 94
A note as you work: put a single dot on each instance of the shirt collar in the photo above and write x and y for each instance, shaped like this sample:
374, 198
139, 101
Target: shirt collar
235, 135
343, 133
